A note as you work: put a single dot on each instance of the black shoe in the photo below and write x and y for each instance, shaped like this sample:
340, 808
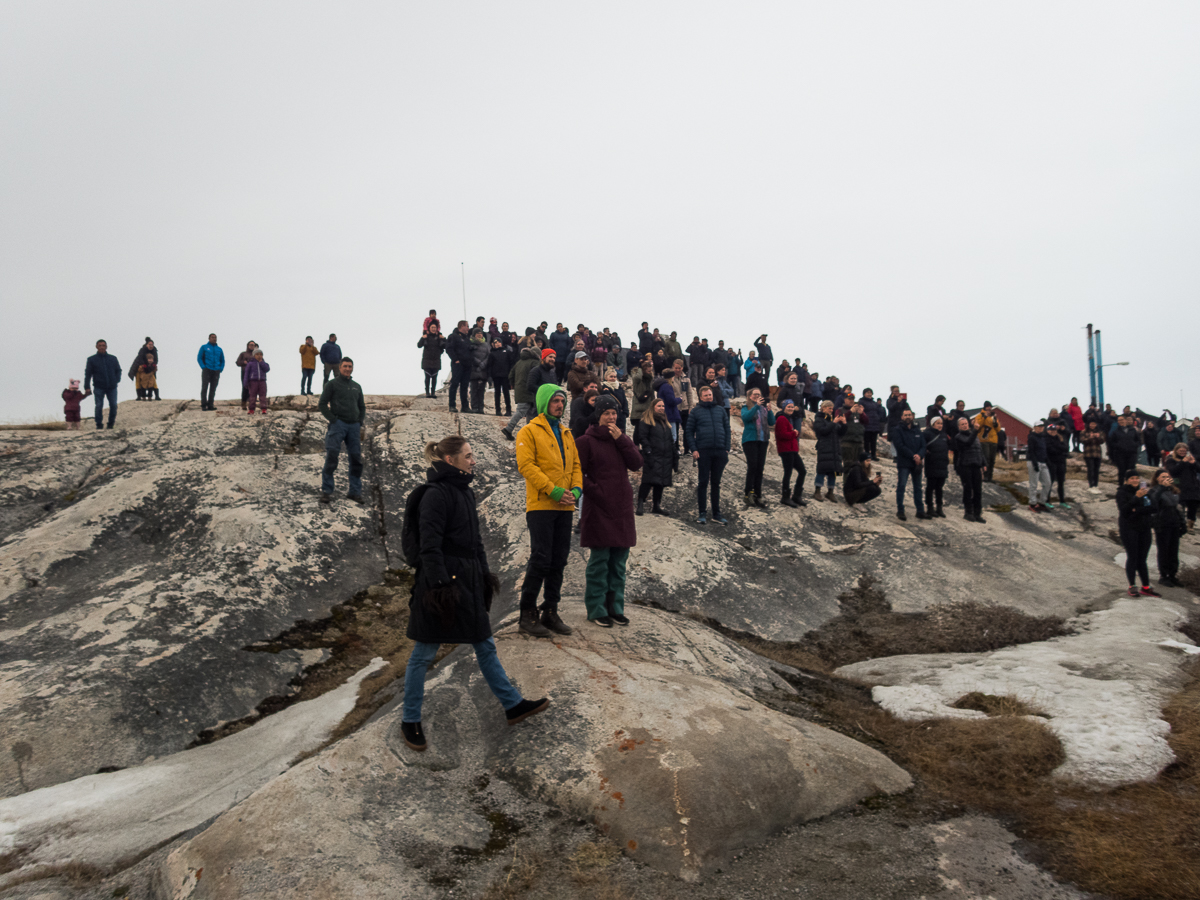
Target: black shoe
525, 709
939, 513
901, 516
618, 618
530, 625
414, 736
355, 498
922, 515
326, 498
798, 499
508, 436
602, 621
641, 508
659, 511
551, 620
788, 501
980, 519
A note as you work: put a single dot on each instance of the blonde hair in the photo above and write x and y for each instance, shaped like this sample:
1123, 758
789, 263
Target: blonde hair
448, 446
648, 416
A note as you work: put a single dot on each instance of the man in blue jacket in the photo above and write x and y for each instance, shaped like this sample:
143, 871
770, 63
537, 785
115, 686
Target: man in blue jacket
212, 363
331, 356
708, 435
561, 343
908, 443
103, 374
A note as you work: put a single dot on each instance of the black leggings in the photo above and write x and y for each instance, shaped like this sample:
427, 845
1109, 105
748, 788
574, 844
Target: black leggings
871, 443
933, 489
431, 377
1093, 470
793, 463
644, 492
1167, 541
1058, 474
972, 485
502, 387
756, 461
1190, 506
1137, 548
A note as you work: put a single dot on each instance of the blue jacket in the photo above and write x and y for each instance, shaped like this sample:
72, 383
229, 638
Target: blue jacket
907, 442
671, 401
749, 431
726, 391
331, 353
211, 357
104, 370
708, 427
560, 342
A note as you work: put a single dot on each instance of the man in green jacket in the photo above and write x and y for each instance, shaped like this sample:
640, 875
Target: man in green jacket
343, 406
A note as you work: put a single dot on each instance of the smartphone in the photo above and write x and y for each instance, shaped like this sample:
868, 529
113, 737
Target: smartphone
1143, 484
904, 396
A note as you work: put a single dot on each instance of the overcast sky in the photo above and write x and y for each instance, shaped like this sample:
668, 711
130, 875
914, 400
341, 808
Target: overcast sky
936, 194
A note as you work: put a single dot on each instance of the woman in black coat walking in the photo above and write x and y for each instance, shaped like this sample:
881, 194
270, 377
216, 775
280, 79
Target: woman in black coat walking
937, 465
452, 587
1136, 517
660, 453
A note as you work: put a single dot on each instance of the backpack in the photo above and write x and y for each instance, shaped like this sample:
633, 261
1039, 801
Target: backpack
410, 531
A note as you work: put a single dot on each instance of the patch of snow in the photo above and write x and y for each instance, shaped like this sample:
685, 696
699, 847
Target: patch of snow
99, 819
1103, 687
1191, 649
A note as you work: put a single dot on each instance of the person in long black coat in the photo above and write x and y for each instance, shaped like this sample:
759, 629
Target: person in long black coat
453, 588
969, 460
937, 465
829, 429
652, 435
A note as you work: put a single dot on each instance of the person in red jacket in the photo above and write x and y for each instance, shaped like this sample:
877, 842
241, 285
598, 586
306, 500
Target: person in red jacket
787, 442
1076, 414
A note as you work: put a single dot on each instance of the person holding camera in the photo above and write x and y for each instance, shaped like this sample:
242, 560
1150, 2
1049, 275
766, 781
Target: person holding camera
1181, 464
987, 427
1136, 518
757, 422
829, 427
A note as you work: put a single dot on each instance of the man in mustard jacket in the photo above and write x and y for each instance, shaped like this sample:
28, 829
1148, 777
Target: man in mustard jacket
549, 463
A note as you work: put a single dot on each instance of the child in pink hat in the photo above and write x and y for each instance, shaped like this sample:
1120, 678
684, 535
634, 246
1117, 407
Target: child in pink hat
72, 397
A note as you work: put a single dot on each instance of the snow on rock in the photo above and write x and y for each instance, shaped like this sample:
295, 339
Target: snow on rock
100, 819
1103, 688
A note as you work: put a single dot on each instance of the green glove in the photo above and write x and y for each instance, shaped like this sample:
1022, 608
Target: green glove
577, 492
556, 494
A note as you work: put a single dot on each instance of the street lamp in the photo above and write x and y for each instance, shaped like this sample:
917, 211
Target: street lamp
1100, 376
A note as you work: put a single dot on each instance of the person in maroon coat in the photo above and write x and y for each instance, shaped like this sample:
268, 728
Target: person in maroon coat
606, 456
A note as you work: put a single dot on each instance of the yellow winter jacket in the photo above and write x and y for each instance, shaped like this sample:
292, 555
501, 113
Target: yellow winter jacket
308, 356
989, 428
543, 466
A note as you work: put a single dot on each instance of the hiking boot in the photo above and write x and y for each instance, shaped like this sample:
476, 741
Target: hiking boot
1133, 592
530, 625
901, 516
508, 436
326, 498
939, 513
414, 736
602, 621
798, 498
551, 620
788, 501
829, 495
980, 519
355, 498
1149, 592
817, 494
525, 709
659, 511
641, 508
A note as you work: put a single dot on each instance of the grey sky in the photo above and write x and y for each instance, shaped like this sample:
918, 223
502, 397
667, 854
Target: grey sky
935, 194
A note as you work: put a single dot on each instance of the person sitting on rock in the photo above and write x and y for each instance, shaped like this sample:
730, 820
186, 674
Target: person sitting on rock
343, 406
549, 463
860, 485
453, 588
606, 457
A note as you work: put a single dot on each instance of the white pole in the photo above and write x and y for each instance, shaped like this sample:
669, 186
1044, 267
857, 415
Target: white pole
464, 283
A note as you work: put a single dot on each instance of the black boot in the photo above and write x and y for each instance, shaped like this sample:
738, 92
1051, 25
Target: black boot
788, 501
609, 600
798, 496
939, 513
641, 507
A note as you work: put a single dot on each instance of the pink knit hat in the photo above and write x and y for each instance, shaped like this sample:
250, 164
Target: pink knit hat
74, 384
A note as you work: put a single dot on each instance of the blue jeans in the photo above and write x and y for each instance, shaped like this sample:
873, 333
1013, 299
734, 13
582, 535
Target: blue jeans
902, 481
460, 375
100, 395
306, 377
829, 481
339, 432
489, 664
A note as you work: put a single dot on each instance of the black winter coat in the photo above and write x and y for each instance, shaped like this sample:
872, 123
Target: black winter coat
968, 451
1126, 440
458, 348
1035, 448
1186, 476
659, 452
1168, 512
538, 376
829, 444
433, 345
895, 409
937, 453
500, 361
1057, 450
452, 587
1135, 512
907, 443
876, 415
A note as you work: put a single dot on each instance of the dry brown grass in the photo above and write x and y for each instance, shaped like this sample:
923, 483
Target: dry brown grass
519, 877
1139, 842
39, 425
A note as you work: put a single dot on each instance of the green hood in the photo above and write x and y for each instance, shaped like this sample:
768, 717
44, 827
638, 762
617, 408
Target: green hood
545, 393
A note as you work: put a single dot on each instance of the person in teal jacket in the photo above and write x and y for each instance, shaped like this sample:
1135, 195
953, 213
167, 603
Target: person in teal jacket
212, 362
757, 422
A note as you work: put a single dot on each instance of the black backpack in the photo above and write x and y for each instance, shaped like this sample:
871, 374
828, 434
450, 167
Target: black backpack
410, 532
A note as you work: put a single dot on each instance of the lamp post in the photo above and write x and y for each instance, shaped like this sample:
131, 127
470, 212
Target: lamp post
1100, 377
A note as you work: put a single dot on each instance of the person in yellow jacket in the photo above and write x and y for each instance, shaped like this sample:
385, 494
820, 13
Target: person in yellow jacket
988, 427
549, 463
308, 365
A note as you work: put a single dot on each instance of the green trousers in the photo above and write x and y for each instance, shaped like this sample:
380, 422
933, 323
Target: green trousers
605, 579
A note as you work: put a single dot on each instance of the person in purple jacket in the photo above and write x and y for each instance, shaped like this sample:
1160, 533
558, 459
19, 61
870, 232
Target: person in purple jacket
254, 376
606, 457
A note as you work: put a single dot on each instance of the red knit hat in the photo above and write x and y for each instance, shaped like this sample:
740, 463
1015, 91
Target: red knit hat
548, 352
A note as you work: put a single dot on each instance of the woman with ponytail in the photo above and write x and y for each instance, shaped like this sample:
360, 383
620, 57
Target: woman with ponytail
453, 586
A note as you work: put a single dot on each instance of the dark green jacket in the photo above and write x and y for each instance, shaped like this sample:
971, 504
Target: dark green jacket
342, 399
518, 376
